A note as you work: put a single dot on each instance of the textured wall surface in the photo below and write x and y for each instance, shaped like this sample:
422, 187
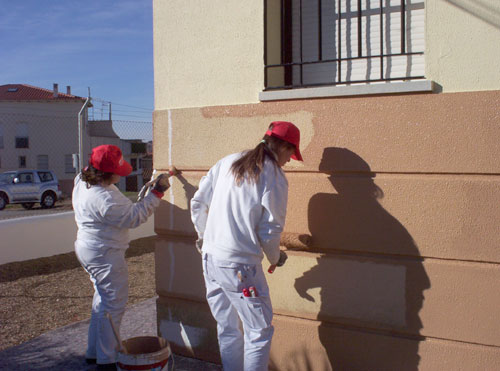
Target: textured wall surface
400, 195
460, 35
207, 52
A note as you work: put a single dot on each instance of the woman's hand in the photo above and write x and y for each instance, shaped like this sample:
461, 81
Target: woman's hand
172, 171
162, 183
281, 261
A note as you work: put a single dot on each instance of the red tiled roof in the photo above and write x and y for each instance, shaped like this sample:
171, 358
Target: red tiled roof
23, 92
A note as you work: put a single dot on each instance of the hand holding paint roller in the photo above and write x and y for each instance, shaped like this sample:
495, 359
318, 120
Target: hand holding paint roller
291, 241
281, 261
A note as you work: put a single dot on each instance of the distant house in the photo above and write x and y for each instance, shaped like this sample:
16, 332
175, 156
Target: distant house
39, 129
135, 152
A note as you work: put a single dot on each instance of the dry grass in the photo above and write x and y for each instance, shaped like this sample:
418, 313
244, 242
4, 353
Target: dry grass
43, 294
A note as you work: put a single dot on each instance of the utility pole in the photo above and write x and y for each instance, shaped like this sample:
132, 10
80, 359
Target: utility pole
92, 106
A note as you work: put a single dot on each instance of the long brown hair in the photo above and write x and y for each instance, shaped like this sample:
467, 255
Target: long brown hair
249, 166
92, 176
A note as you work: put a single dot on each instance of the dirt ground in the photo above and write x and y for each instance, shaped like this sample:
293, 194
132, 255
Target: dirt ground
43, 294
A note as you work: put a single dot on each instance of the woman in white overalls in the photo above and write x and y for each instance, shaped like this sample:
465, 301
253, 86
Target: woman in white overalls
104, 215
239, 212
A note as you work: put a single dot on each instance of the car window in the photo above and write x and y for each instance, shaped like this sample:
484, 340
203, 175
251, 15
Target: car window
6, 178
45, 176
25, 178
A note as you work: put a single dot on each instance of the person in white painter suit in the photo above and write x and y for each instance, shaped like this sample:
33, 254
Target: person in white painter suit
104, 215
239, 212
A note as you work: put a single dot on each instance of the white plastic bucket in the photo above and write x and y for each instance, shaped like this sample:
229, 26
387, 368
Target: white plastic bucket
145, 353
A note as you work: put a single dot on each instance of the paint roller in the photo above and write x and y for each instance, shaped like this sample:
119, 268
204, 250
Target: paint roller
296, 241
172, 171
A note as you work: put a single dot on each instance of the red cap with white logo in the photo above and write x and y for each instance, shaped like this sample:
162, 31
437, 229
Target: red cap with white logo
109, 158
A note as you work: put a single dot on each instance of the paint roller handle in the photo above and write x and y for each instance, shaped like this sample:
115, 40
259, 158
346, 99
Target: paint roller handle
161, 182
117, 334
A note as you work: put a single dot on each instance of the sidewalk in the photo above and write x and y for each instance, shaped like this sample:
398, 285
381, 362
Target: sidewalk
64, 349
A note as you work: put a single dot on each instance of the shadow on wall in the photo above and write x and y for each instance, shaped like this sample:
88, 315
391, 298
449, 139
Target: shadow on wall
191, 332
371, 277
482, 9
179, 217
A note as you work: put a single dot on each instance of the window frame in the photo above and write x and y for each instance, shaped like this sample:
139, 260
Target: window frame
291, 90
22, 139
66, 168
38, 162
22, 158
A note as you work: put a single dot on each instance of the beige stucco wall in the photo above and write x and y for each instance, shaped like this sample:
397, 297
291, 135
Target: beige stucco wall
462, 39
209, 53
399, 194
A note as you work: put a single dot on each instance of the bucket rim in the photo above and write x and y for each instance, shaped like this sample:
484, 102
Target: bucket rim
158, 352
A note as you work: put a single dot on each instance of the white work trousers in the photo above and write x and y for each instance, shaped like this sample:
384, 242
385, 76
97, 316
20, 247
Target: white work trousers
109, 274
225, 282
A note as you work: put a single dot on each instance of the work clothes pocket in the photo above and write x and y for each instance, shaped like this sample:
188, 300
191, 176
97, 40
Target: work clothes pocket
257, 313
234, 277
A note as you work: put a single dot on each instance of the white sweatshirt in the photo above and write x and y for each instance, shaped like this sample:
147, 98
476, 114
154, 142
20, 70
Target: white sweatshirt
104, 215
238, 223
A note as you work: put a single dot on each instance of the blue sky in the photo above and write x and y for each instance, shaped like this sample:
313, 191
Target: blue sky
106, 45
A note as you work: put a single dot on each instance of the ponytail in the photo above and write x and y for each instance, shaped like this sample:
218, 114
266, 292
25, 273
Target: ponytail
250, 165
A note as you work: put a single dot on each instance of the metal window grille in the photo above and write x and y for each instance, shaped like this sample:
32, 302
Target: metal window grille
329, 42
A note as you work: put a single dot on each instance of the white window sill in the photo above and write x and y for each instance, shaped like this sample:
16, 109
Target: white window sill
416, 86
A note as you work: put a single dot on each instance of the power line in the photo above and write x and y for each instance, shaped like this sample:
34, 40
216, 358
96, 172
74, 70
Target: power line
120, 104
126, 113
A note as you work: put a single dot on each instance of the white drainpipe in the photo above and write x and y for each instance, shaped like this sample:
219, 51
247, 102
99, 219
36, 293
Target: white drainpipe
80, 136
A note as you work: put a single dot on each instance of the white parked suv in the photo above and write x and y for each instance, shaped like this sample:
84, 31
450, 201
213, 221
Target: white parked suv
27, 187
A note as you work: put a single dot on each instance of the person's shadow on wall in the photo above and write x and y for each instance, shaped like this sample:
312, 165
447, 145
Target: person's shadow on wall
370, 301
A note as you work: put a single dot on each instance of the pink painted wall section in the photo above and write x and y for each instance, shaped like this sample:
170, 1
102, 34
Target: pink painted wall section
430, 133
400, 196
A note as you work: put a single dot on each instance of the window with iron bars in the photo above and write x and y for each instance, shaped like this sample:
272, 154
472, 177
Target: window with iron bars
312, 43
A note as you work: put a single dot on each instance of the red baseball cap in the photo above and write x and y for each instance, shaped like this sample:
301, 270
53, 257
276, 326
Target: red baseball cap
289, 133
109, 158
